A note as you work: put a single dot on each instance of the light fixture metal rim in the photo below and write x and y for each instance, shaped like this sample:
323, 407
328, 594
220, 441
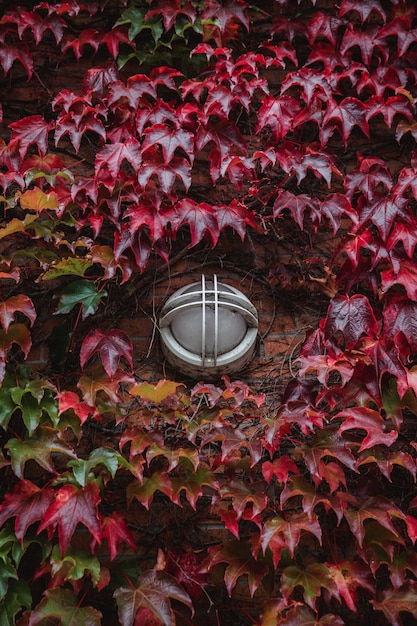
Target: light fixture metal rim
220, 296
238, 356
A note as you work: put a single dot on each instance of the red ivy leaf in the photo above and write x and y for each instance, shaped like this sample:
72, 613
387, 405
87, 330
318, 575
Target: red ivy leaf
400, 320
97, 79
39, 25
231, 10
113, 39
170, 139
371, 176
9, 53
28, 504
237, 216
116, 531
363, 7
352, 316
367, 41
153, 164
14, 304
384, 213
344, 116
393, 602
297, 206
111, 157
405, 276
111, 346
240, 561
87, 37
31, 130
200, 217
170, 9
280, 468
73, 505
376, 508
363, 418
154, 591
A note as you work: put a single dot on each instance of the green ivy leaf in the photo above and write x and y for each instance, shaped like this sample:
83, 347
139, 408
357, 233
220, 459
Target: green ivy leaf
7, 406
311, 578
17, 226
82, 468
81, 292
134, 17
18, 597
38, 448
35, 399
74, 565
75, 266
145, 491
63, 605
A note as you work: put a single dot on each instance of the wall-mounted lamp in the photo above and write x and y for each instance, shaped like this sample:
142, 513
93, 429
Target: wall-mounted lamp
208, 329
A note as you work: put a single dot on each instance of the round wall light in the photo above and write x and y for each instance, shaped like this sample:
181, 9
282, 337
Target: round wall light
208, 329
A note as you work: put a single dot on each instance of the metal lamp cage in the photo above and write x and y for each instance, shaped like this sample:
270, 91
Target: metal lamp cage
208, 328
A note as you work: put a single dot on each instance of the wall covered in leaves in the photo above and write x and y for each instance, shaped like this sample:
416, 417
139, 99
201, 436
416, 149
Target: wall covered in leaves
135, 134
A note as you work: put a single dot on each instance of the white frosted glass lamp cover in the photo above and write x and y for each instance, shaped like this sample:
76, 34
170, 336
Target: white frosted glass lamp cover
208, 329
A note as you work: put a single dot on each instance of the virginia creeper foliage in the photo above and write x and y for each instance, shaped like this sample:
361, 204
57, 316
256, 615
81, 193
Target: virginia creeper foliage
304, 114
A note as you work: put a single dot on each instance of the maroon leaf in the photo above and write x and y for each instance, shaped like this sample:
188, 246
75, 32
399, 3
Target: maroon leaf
400, 320
366, 41
153, 591
113, 39
73, 505
364, 8
153, 164
405, 276
371, 176
87, 37
352, 317
231, 10
390, 107
9, 53
14, 304
170, 139
323, 25
400, 27
170, 9
239, 562
376, 508
334, 207
146, 214
39, 25
297, 206
111, 346
225, 135
111, 156
384, 213
97, 79
312, 83
116, 531
363, 418
344, 116
31, 130
28, 503
394, 602
278, 114
200, 217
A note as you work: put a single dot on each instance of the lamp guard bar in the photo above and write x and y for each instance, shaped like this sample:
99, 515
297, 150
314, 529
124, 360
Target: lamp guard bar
208, 294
